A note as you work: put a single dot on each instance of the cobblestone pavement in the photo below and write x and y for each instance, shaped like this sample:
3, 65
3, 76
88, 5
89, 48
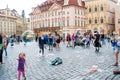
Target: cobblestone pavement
76, 62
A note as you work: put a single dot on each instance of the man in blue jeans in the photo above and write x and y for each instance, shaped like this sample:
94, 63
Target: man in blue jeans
41, 44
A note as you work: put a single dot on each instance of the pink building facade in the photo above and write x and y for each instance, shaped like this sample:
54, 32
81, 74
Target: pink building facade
67, 16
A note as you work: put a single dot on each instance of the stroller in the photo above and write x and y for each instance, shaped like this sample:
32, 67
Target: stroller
78, 42
86, 42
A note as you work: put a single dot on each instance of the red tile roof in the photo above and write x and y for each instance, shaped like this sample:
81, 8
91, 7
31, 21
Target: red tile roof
73, 2
48, 3
61, 2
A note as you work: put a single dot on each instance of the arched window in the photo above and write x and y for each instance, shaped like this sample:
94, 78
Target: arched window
95, 8
101, 20
95, 20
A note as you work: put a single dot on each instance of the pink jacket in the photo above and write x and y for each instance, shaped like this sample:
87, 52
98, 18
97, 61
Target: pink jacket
73, 37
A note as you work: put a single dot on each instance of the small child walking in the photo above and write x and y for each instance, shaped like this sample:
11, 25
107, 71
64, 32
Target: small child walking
21, 63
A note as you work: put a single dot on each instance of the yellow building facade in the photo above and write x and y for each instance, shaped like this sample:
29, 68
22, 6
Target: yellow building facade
10, 22
100, 15
117, 20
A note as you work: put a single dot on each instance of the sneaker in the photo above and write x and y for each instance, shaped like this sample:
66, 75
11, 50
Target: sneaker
116, 64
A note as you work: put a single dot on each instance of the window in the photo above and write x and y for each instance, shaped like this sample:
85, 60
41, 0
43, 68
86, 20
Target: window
48, 24
89, 9
55, 13
63, 12
4, 24
89, 21
95, 20
75, 11
118, 21
81, 12
8, 24
78, 23
95, 9
67, 22
0, 24
78, 11
81, 23
52, 24
67, 12
39, 25
101, 8
84, 23
63, 23
75, 22
113, 20
101, 20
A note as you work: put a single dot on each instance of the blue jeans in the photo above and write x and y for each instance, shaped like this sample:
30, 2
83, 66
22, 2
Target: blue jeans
103, 41
108, 40
5, 51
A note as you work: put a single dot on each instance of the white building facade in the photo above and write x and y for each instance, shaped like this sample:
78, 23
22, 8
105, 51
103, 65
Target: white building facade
10, 21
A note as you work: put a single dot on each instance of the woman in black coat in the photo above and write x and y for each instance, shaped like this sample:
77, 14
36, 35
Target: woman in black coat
97, 42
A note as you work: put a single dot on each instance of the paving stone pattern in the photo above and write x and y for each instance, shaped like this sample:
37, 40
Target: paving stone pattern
76, 62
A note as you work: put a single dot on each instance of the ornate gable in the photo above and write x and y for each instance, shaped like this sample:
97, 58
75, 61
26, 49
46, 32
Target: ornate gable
36, 11
55, 6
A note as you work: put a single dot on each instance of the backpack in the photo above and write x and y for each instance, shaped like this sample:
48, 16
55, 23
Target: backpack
57, 61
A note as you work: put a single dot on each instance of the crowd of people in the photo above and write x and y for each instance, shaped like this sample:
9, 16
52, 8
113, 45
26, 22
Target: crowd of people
72, 40
76, 39
53, 40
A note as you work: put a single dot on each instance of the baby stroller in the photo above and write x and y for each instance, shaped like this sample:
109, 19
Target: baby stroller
78, 42
86, 42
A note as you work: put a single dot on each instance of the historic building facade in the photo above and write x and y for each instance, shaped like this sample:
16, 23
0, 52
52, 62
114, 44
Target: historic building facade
117, 19
58, 15
101, 15
10, 22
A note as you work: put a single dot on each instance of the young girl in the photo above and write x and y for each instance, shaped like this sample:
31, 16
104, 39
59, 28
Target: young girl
21, 63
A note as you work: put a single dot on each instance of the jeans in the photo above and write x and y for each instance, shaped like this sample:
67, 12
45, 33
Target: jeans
5, 51
19, 74
42, 48
108, 40
103, 41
